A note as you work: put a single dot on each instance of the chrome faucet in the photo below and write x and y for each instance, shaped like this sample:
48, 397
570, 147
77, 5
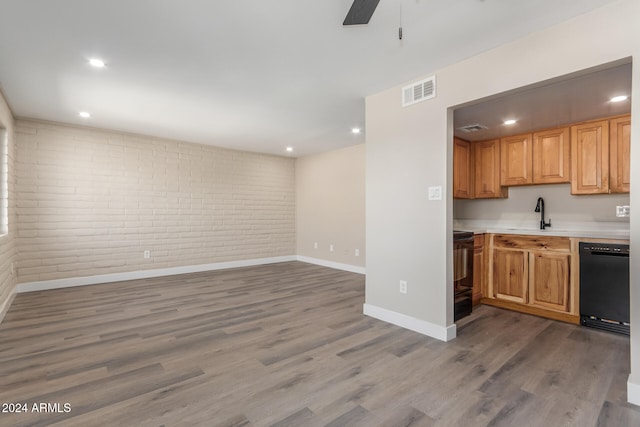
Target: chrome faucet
540, 208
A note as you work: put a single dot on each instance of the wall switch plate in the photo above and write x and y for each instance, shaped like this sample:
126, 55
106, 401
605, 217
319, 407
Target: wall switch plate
623, 211
403, 286
330, 248
357, 251
147, 254
315, 245
435, 193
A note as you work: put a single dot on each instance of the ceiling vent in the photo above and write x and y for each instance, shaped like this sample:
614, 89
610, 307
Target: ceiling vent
420, 91
472, 128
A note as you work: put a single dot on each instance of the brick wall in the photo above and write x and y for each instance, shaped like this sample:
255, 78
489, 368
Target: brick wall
92, 201
7, 240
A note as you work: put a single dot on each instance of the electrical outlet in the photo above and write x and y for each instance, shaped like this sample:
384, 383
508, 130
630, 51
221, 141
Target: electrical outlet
357, 252
623, 211
315, 245
147, 254
403, 286
435, 193
330, 248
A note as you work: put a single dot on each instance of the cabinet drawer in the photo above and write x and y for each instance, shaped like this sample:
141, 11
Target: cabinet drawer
516, 241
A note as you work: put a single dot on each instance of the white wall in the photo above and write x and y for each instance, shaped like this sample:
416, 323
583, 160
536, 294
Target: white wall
560, 205
330, 207
410, 149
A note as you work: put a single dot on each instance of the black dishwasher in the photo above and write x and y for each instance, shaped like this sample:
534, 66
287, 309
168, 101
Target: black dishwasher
604, 286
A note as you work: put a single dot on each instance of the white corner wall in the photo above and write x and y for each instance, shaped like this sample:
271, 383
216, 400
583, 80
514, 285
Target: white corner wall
330, 207
409, 150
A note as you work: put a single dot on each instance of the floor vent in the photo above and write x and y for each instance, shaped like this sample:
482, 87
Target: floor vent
420, 91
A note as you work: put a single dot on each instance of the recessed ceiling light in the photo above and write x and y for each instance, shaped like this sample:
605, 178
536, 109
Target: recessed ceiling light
289, 149
509, 122
98, 63
619, 98
355, 131
84, 114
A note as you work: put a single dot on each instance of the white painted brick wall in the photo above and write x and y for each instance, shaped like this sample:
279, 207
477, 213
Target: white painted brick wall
8, 241
92, 201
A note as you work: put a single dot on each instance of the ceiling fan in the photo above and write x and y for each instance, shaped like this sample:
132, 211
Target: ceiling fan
360, 12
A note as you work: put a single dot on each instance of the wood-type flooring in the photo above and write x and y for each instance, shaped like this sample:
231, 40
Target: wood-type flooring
287, 345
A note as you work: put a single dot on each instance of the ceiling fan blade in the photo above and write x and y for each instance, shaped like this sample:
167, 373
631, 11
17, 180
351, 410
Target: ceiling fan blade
360, 12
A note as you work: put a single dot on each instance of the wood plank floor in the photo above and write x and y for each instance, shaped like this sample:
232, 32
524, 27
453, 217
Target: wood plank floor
287, 345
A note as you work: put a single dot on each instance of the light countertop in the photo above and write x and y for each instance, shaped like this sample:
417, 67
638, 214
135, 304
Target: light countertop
602, 230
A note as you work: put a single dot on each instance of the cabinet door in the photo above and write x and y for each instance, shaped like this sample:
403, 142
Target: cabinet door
549, 280
462, 167
515, 160
510, 275
620, 150
551, 150
487, 169
590, 158
478, 267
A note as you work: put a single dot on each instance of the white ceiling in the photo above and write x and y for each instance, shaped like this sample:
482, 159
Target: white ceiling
247, 74
565, 100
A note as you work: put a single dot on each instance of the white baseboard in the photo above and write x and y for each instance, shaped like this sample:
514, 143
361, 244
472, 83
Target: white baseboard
5, 307
633, 392
145, 274
331, 264
421, 326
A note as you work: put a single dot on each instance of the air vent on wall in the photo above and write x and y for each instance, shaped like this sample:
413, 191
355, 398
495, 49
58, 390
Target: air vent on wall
472, 128
420, 91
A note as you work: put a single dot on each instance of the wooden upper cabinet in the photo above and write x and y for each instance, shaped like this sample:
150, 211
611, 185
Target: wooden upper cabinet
515, 160
590, 158
538, 158
551, 153
462, 169
620, 146
486, 156
593, 156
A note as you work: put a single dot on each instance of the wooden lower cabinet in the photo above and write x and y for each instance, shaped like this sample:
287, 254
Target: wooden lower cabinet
533, 274
549, 280
478, 268
510, 279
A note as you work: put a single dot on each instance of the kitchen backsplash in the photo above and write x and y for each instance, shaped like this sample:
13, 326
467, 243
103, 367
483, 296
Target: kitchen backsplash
564, 209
